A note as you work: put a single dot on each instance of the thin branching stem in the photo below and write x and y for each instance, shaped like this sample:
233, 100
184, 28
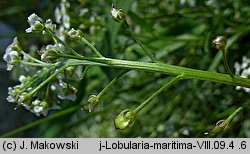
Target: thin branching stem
165, 87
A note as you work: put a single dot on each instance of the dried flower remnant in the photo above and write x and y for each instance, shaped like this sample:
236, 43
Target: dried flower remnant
93, 102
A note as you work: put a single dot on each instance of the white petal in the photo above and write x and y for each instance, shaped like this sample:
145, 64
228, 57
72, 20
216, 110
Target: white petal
22, 78
38, 109
28, 30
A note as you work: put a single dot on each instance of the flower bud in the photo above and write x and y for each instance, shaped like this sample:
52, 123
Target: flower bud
125, 119
50, 55
75, 34
36, 24
15, 45
118, 14
24, 98
220, 42
93, 102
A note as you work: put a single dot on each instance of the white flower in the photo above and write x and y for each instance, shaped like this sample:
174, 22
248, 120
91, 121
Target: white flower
114, 12
64, 91
58, 15
10, 98
22, 78
11, 55
36, 24
61, 14
49, 25
40, 107
66, 21
11, 58
243, 70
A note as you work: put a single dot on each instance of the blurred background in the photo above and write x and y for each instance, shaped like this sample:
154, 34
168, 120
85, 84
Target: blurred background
177, 32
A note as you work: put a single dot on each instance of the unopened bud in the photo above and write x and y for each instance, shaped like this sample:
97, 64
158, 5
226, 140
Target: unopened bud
75, 34
24, 98
50, 55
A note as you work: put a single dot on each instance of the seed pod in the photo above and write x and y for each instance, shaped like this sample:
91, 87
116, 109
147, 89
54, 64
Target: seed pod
125, 119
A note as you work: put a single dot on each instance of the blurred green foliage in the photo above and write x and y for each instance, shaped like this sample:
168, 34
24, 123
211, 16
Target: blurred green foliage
178, 33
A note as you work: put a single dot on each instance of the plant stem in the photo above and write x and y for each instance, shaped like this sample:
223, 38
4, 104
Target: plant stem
84, 72
63, 43
226, 63
48, 79
162, 68
111, 83
36, 64
32, 58
92, 47
233, 115
144, 48
166, 86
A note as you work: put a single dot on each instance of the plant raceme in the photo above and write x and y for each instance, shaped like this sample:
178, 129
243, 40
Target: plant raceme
47, 88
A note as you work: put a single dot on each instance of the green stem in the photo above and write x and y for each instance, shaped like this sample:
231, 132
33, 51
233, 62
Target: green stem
226, 63
38, 122
84, 72
92, 47
111, 83
166, 86
233, 115
63, 43
144, 48
163, 68
32, 58
36, 64
48, 79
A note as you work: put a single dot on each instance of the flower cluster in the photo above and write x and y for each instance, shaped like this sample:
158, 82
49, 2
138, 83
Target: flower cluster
40, 102
62, 18
11, 55
49, 85
243, 70
61, 14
